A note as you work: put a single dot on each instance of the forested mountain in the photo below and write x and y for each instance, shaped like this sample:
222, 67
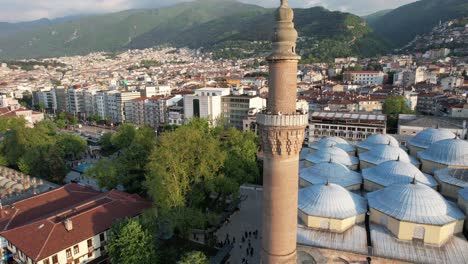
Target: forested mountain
212, 24
401, 25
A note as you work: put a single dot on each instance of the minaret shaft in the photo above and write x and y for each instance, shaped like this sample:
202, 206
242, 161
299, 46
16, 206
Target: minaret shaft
282, 135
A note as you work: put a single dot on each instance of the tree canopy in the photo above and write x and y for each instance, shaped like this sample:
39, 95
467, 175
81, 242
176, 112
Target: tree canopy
130, 242
392, 107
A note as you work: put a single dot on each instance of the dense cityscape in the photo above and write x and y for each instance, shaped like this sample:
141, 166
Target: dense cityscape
248, 151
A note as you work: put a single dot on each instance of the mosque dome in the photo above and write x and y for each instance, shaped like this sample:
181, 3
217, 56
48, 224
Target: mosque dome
331, 201
332, 153
416, 203
453, 176
448, 151
304, 152
396, 172
333, 141
429, 136
382, 153
332, 172
378, 139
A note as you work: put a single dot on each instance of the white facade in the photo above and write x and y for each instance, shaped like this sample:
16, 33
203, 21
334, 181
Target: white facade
452, 82
364, 77
47, 98
205, 103
76, 100
115, 104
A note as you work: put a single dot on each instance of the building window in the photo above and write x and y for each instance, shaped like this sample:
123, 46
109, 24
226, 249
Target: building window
68, 252
90, 254
76, 249
196, 107
55, 259
46, 261
77, 261
102, 237
90, 243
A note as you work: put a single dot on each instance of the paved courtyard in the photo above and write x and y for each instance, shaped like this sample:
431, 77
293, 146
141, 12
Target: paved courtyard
247, 219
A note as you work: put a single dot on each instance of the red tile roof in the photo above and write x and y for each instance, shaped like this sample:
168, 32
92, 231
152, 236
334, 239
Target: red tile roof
35, 225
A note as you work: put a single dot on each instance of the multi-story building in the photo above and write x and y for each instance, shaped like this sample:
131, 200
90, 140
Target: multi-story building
101, 104
115, 104
236, 108
76, 101
205, 103
428, 102
46, 97
452, 82
404, 78
175, 115
89, 102
349, 126
61, 94
413, 124
135, 111
70, 224
369, 104
364, 77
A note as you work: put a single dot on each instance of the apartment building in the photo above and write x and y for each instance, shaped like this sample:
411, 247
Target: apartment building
205, 103
364, 77
236, 108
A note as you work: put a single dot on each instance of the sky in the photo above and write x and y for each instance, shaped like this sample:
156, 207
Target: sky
26, 10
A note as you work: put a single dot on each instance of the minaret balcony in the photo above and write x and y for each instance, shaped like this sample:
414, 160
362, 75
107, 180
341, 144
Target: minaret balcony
280, 120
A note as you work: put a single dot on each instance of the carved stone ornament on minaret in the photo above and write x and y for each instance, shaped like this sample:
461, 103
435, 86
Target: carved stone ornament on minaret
282, 135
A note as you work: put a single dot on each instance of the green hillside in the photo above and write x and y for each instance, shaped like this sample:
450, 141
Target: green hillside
217, 25
375, 16
401, 25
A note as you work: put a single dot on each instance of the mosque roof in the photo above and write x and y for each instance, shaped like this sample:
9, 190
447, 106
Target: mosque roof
382, 153
304, 152
415, 203
332, 172
333, 141
447, 151
463, 193
331, 201
378, 139
337, 154
458, 177
429, 136
397, 172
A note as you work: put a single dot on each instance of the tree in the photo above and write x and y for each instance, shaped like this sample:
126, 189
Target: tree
124, 136
130, 242
72, 146
194, 257
105, 172
392, 107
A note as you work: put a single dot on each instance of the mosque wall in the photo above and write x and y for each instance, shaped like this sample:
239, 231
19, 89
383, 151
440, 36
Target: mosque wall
334, 225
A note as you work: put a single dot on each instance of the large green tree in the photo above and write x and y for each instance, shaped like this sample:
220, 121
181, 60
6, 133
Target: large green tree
392, 107
130, 242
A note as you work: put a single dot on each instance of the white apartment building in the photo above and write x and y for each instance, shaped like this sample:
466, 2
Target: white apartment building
135, 111
364, 77
115, 104
236, 108
452, 82
101, 104
46, 97
205, 103
76, 100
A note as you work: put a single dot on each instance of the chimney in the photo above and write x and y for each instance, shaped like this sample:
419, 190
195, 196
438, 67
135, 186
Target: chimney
68, 225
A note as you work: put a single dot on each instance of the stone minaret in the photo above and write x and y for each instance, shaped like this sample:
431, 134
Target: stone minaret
282, 135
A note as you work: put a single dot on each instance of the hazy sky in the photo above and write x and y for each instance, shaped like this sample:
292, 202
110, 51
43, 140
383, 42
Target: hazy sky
24, 10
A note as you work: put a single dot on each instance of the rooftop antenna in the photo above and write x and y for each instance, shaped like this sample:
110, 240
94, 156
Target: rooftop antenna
398, 159
328, 182
414, 179
389, 142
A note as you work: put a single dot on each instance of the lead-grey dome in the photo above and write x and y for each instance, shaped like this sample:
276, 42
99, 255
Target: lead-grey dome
457, 177
448, 151
429, 136
463, 193
304, 152
332, 172
382, 153
396, 172
378, 139
333, 141
331, 201
416, 203
332, 153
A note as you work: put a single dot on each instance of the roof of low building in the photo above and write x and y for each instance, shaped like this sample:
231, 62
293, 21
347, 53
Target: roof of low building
332, 172
463, 193
43, 215
397, 172
429, 136
448, 151
337, 154
331, 201
382, 153
333, 141
416, 203
386, 245
458, 177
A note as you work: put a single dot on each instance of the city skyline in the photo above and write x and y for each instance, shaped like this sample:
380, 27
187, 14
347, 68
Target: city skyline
23, 10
